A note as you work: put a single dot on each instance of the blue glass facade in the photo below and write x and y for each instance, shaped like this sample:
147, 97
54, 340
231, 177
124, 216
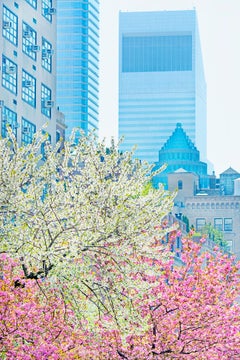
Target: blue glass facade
161, 80
156, 53
78, 63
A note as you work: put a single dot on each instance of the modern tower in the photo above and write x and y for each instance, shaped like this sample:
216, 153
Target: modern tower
161, 80
78, 63
27, 68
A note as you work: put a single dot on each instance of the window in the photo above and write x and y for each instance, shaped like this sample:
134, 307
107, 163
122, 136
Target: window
156, 53
9, 118
29, 41
28, 89
230, 245
200, 223
218, 224
43, 145
59, 140
228, 223
10, 26
33, 3
28, 131
46, 102
58, 136
47, 53
180, 184
9, 75
47, 9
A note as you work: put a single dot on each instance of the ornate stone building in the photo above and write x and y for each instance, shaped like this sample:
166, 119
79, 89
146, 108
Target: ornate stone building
205, 207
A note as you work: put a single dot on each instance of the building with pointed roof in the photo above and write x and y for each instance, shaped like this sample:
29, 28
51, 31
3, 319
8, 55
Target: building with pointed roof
180, 152
227, 181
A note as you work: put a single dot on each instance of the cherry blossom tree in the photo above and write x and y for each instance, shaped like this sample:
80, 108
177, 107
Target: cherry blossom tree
84, 273
191, 312
32, 324
80, 217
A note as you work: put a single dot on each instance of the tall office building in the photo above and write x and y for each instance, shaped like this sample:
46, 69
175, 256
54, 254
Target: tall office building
77, 62
161, 80
28, 71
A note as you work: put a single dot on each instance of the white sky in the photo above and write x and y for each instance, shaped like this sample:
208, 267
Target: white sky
219, 27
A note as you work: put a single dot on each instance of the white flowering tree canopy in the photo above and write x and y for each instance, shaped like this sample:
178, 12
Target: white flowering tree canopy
82, 217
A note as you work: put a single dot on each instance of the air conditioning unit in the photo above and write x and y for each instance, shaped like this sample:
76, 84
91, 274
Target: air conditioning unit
27, 83
4, 118
48, 103
34, 48
49, 51
1, 103
27, 33
50, 11
26, 130
11, 69
7, 24
46, 53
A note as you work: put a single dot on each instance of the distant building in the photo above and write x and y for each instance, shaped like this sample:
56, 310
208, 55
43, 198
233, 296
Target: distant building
28, 68
227, 181
206, 207
161, 80
78, 63
180, 152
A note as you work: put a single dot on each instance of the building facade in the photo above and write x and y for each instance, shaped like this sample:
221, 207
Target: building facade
78, 63
206, 207
28, 68
161, 80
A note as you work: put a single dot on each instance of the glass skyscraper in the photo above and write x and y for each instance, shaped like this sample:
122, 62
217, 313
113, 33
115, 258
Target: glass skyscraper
161, 80
78, 63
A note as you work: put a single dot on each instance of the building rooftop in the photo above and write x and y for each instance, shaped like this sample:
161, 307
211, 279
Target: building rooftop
179, 140
229, 171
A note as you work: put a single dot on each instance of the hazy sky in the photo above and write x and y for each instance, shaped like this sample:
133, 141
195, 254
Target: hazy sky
219, 27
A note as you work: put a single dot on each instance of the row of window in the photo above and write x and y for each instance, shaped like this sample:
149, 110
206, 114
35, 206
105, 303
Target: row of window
28, 129
225, 205
221, 224
29, 39
28, 85
46, 8
9, 118
156, 53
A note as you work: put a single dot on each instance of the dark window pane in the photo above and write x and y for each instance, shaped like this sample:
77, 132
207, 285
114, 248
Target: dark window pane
156, 53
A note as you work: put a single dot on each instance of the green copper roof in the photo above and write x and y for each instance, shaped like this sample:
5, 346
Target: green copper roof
179, 140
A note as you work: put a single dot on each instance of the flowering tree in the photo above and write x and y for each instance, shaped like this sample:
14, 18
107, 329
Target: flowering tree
80, 217
90, 277
191, 312
194, 311
29, 328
